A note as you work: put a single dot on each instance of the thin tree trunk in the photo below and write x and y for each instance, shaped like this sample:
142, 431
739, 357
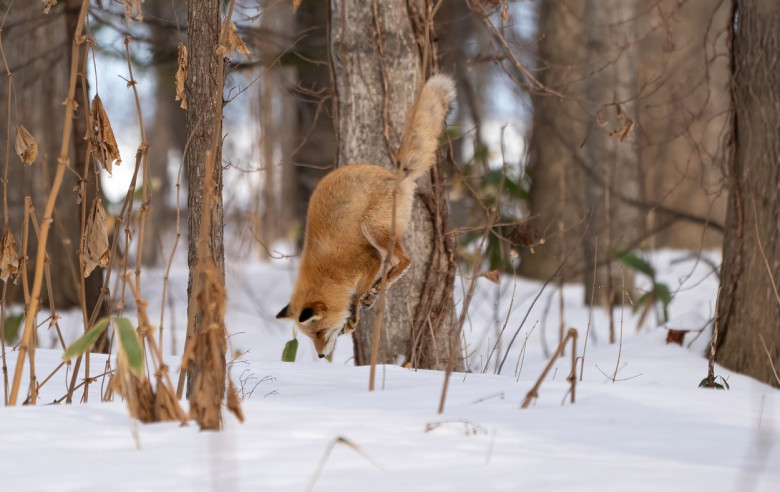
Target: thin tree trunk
203, 120
611, 151
749, 309
558, 206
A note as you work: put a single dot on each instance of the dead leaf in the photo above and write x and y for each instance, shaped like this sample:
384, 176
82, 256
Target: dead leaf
676, 336
9, 258
101, 137
133, 6
47, 5
296, 4
78, 190
624, 131
181, 75
232, 42
26, 146
95, 242
492, 275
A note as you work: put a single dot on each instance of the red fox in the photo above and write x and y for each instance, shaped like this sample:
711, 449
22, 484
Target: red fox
350, 223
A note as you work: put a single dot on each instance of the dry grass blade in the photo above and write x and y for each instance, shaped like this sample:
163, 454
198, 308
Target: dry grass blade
101, 137
232, 41
47, 5
95, 242
133, 6
181, 75
26, 146
9, 258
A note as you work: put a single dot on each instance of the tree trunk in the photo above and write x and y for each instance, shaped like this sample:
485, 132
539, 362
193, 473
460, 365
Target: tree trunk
749, 307
166, 132
204, 128
313, 149
684, 70
558, 207
377, 70
611, 150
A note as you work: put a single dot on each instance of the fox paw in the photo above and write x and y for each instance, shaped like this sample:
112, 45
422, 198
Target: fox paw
370, 297
349, 326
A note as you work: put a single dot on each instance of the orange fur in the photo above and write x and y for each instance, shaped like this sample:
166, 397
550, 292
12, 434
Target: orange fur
350, 223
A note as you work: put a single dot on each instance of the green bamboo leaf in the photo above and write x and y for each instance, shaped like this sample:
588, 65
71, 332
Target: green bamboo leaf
631, 260
662, 293
290, 349
642, 300
131, 346
12, 325
86, 340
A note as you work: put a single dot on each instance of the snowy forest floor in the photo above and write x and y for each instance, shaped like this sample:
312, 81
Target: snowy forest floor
649, 429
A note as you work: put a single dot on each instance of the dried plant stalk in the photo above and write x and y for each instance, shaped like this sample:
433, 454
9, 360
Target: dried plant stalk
26, 146
533, 393
132, 6
47, 5
62, 163
164, 404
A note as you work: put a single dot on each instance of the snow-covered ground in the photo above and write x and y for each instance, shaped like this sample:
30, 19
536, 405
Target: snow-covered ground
313, 423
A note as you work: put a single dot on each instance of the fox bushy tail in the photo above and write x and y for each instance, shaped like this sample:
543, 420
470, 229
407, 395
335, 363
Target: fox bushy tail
424, 125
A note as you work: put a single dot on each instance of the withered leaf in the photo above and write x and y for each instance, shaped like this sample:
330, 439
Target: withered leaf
133, 6
9, 258
95, 242
296, 4
624, 131
181, 75
47, 5
101, 137
26, 146
232, 41
492, 275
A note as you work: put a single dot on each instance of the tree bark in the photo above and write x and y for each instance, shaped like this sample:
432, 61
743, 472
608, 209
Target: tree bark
204, 114
749, 308
378, 74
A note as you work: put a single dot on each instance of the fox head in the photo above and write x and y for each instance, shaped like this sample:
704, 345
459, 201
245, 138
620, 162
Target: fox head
317, 321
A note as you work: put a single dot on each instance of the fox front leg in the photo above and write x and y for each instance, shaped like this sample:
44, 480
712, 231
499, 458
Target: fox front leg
369, 298
352, 321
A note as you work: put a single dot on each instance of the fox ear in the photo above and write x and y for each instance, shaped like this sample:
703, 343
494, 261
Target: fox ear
312, 312
306, 315
284, 313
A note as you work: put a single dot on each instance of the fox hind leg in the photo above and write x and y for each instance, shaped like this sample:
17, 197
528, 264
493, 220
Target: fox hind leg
400, 262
